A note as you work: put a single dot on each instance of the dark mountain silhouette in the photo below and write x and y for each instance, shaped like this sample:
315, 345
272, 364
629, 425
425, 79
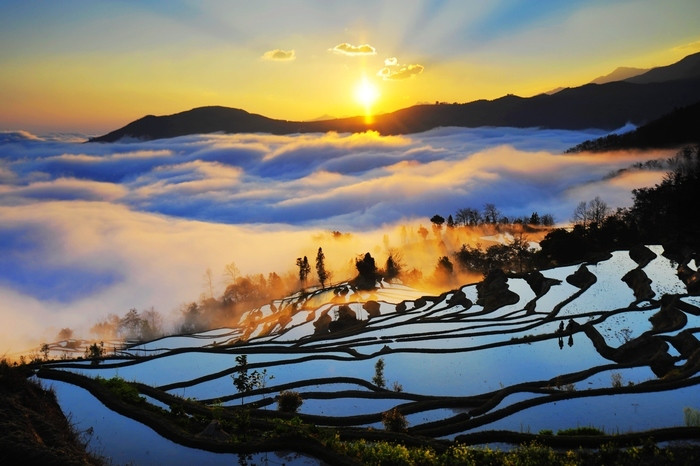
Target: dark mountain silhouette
682, 126
687, 68
606, 106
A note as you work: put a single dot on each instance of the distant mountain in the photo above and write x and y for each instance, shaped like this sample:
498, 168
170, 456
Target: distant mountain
606, 106
682, 126
620, 74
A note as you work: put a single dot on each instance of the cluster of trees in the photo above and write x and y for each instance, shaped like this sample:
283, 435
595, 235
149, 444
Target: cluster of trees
134, 326
490, 215
662, 214
517, 256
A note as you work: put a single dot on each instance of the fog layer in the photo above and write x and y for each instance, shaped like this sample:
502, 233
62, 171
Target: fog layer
92, 229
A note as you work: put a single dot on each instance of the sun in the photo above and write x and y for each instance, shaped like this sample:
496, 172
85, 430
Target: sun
366, 93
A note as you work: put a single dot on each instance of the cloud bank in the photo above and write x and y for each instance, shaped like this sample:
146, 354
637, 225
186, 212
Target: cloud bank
92, 229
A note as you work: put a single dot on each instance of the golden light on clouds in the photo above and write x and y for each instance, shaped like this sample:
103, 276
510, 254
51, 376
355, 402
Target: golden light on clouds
349, 49
393, 70
279, 55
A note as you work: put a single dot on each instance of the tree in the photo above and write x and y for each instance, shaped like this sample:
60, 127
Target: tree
209, 282
444, 269
245, 382
321, 268
423, 232
491, 213
547, 220
581, 214
378, 378
450, 221
304, 269
393, 266
232, 272
598, 211
65, 334
437, 220
367, 272
534, 219
591, 214
468, 216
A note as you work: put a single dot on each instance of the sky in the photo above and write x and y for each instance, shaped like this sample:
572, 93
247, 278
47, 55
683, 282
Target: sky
91, 66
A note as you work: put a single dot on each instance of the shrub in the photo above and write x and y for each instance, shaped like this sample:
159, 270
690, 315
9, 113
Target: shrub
122, 389
616, 379
394, 421
289, 401
692, 417
378, 378
581, 431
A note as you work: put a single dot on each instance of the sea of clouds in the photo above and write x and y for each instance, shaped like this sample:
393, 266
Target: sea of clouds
88, 229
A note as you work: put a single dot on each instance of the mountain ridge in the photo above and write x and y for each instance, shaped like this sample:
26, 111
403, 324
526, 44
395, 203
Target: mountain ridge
605, 106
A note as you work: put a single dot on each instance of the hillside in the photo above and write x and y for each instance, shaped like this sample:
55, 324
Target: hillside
682, 126
606, 106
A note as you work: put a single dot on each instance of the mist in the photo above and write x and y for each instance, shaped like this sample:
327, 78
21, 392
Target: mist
92, 229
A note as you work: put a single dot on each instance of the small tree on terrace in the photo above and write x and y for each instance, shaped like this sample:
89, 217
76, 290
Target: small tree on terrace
321, 268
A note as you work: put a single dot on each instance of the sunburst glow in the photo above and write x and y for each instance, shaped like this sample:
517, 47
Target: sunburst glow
366, 93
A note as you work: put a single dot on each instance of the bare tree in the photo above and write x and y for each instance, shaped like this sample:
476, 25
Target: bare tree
581, 214
209, 282
468, 216
231, 271
597, 210
592, 213
491, 213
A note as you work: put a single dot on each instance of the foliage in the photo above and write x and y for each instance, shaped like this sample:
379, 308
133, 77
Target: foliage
580, 431
122, 389
95, 352
692, 417
394, 421
289, 401
378, 378
245, 382
616, 379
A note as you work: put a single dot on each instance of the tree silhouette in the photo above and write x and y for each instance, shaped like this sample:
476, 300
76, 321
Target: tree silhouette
304, 269
321, 268
367, 272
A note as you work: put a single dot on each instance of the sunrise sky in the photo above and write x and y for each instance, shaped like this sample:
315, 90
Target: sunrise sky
92, 66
